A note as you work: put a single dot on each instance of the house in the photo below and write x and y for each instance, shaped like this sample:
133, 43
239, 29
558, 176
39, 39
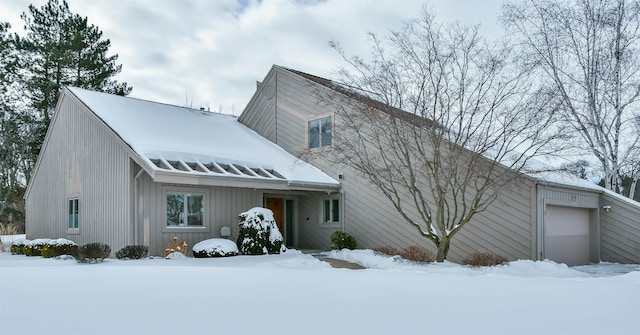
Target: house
127, 171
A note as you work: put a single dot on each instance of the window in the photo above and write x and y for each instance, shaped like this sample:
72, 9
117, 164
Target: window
331, 211
72, 204
320, 133
185, 209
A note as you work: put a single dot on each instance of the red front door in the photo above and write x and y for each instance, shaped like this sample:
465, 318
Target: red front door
276, 205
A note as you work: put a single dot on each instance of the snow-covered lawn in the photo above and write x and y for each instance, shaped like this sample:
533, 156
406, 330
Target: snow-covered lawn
295, 293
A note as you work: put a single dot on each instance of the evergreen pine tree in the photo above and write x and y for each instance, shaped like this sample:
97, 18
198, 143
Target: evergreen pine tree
62, 49
11, 146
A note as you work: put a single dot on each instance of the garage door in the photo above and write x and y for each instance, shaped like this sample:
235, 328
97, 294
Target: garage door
567, 235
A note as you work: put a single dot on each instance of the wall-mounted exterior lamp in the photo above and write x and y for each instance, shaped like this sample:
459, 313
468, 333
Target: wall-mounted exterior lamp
606, 208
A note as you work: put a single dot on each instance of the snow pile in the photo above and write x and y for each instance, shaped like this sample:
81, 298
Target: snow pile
259, 234
215, 247
496, 300
521, 268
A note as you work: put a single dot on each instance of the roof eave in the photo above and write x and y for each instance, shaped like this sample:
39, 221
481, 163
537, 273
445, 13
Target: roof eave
175, 177
574, 187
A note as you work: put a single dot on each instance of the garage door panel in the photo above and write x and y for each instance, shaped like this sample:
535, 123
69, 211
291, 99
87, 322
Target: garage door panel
567, 249
567, 235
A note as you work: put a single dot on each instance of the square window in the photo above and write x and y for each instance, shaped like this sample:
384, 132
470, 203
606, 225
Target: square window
331, 211
320, 133
185, 209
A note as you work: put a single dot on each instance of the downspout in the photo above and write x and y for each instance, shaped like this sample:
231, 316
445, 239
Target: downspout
344, 205
135, 206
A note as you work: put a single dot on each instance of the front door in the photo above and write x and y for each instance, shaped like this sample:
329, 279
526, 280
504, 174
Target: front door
276, 205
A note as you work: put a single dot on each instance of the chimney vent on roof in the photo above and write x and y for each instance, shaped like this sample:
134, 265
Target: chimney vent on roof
201, 108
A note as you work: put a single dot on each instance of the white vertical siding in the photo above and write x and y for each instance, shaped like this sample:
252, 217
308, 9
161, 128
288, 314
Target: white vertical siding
223, 206
260, 113
81, 158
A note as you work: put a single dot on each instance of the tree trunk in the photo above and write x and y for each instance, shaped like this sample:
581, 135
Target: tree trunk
632, 189
443, 250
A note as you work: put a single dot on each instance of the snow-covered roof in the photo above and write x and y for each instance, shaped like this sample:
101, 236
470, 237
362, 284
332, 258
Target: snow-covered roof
183, 141
546, 172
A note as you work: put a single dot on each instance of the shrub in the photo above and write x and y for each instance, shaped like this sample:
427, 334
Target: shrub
92, 253
175, 245
412, 253
17, 247
417, 254
484, 259
8, 229
215, 247
258, 233
133, 252
34, 248
342, 240
389, 251
59, 247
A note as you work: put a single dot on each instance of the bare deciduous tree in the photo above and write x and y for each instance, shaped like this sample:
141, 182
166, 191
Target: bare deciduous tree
440, 122
588, 52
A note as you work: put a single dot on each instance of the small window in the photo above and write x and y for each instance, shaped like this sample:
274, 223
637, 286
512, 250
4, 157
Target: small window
331, 211
73, 213
185, 209
320, 133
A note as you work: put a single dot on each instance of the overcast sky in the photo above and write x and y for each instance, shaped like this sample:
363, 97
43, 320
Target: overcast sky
210, 53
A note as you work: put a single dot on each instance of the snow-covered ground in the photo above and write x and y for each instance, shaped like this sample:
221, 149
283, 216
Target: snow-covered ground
295, 293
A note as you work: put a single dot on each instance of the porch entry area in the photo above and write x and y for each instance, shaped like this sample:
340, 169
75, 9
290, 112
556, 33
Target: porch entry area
283, 213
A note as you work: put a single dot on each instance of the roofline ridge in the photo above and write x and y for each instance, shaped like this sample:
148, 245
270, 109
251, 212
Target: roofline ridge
141, 99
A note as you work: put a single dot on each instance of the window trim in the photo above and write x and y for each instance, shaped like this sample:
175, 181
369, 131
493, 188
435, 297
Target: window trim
320, 146
332, 201
206, 202
76, 199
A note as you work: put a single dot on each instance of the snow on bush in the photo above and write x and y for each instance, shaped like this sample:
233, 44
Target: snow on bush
34, 248
58, 247
215, 247
259, 234
17, 246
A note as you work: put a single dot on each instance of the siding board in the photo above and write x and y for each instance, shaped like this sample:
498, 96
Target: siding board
81, 157
506, 227
620, 230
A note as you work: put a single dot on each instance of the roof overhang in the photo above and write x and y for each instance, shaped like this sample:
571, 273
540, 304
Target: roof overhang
186, 178
207, 171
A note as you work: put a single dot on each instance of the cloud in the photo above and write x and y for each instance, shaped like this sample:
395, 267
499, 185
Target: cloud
211, 53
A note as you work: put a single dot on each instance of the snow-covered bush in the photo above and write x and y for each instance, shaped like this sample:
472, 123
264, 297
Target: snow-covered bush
17, 247
133, 252
92, 253
34, 248
258, 233
343, 240
215, 247
58, 247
